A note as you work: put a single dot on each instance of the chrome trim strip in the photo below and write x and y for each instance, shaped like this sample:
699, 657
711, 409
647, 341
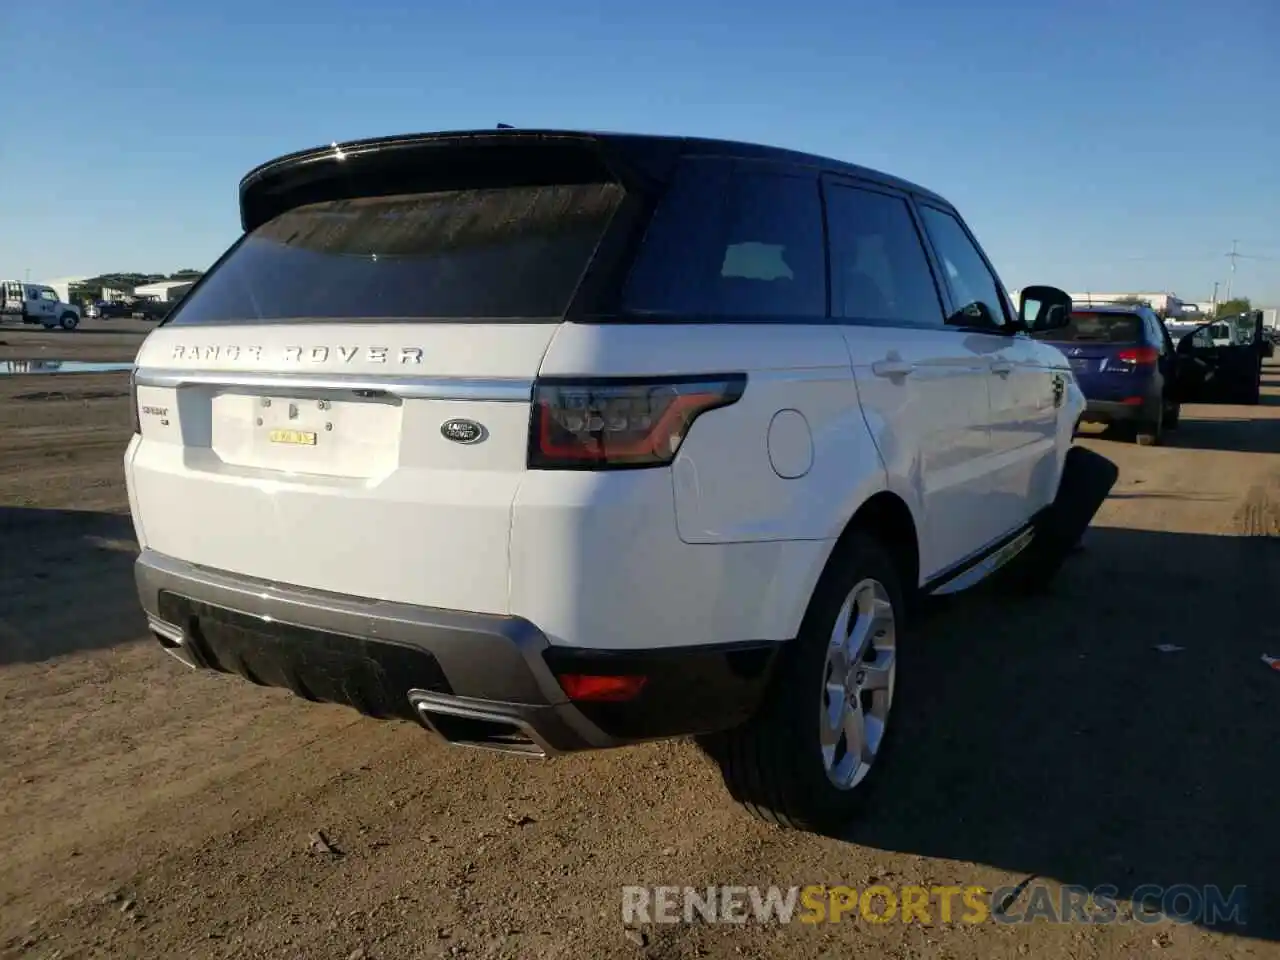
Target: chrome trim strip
832, 374
971, 573
508, 390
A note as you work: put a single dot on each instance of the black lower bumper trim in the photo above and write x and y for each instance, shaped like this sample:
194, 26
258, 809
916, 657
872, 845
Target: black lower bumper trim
688, 690
369, 675
472, 676
1112, 411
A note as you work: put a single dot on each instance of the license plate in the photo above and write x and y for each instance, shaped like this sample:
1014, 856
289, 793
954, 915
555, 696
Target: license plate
1079, 364
301, 438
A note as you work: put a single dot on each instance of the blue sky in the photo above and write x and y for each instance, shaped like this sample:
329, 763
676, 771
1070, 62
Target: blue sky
1093, 145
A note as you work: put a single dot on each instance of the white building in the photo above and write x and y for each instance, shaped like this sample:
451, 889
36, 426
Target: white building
63, 286
1165, 304
166, 291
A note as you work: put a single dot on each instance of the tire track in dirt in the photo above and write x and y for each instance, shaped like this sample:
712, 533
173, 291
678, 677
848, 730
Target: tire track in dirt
1259, 515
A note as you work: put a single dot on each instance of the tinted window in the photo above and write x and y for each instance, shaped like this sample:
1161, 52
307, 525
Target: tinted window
500, 253
728, 242
974, 290
1098, 328
879, 270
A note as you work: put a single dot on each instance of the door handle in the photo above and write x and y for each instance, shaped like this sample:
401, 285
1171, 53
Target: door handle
892, 368
1002, 367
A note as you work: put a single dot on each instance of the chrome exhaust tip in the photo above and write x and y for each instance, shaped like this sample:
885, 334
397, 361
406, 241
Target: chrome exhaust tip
172, 641
463, 725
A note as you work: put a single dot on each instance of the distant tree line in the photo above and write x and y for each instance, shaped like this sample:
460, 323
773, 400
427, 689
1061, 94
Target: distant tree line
91, 289
1234, 307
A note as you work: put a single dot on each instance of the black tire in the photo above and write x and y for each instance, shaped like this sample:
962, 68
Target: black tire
1149, 434
68, 321
773, 765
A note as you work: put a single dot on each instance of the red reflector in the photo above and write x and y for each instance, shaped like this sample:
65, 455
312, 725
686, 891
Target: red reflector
1141, 355
581, 686
1132, 401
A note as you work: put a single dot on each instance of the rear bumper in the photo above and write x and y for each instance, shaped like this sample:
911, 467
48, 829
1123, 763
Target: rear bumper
1113, 411
475, 679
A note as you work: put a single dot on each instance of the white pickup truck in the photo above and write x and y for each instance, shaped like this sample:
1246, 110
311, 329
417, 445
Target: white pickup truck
36, 303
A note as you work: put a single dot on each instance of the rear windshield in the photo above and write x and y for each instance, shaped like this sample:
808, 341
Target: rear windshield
1098, 328
504, 253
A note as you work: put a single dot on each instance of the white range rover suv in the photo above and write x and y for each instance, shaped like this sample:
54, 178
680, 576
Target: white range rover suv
556, 441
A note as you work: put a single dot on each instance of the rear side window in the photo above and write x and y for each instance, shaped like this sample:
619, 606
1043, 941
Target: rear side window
1098, 328
503, 253
728, 242
879, 270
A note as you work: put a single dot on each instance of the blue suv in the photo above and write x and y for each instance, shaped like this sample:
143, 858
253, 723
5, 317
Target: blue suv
1126, 365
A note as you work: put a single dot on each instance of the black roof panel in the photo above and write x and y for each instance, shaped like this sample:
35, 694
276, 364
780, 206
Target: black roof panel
651, 153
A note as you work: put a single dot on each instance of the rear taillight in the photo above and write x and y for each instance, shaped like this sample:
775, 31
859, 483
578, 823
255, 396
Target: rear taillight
1139, 356
133, 400
590, 424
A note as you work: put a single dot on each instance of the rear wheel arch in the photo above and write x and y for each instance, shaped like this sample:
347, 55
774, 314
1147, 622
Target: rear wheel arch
773, 764
886, 518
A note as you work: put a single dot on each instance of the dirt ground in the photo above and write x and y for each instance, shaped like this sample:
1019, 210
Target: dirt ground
95, 340
149, 811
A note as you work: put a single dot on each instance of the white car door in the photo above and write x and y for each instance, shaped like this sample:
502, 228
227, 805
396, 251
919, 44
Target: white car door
1023, 420
922, 384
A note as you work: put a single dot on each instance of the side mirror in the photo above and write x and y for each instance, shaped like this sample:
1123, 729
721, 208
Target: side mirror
1043, 308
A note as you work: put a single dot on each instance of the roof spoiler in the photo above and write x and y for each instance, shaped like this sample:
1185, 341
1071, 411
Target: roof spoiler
451, 161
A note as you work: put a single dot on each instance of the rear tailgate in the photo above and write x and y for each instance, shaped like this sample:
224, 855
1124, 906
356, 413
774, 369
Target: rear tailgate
343, 403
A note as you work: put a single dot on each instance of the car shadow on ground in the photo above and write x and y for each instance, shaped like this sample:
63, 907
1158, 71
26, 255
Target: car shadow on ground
1242, 434
66, 583
1048, 737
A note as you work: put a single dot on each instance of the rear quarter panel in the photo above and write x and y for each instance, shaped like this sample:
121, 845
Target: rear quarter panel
745, 473
728, 543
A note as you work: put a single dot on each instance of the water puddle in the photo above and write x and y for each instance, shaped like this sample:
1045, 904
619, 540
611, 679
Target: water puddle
59, 366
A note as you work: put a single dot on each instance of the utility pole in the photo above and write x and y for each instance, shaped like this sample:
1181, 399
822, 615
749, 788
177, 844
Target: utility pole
28, 274
1234, 256
1213, 303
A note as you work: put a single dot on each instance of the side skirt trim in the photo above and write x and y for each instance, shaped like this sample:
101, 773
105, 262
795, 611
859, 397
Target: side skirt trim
973, 570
